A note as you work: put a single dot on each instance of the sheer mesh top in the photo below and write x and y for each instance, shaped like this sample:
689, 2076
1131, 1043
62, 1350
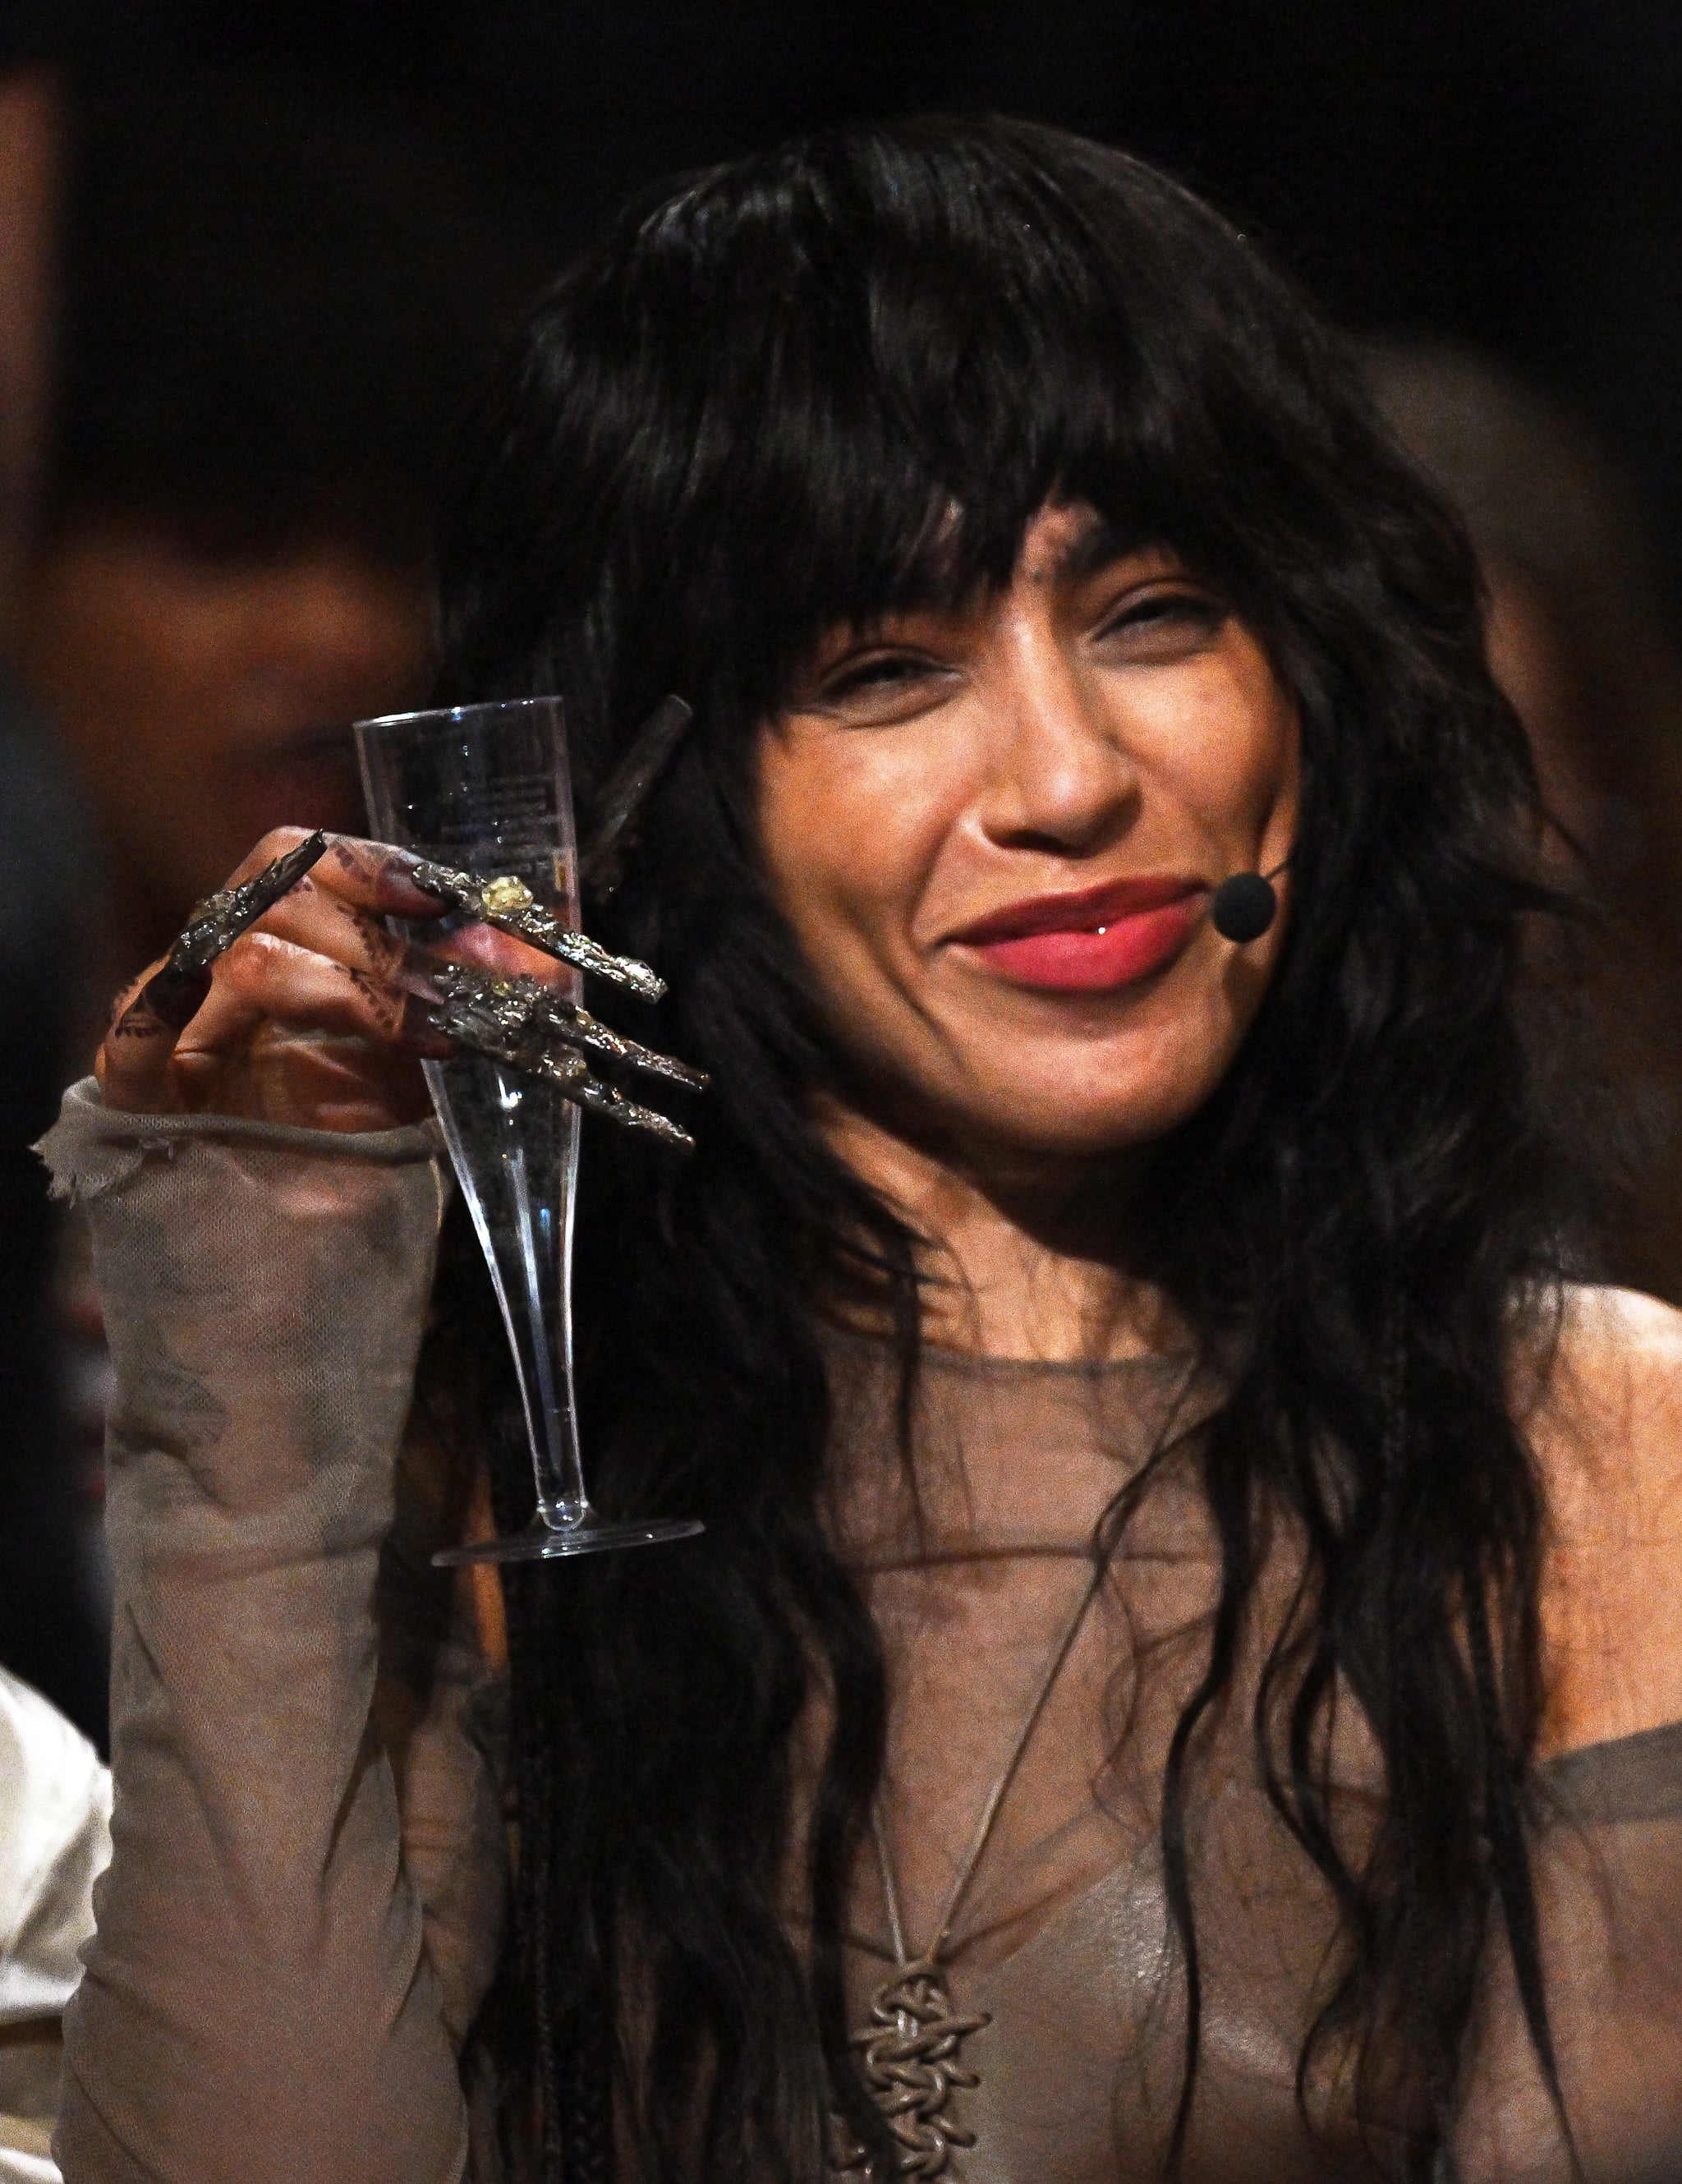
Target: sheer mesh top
306, 1896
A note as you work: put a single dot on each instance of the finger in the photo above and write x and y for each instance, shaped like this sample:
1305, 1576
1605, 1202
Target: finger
323, 1080
374, 875
505, 956
135, 1065
263, 978
333, 924
321, 919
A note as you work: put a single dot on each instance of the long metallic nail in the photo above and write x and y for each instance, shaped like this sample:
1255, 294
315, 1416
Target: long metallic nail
424, 1019
528, 1026
508, 905
175, 993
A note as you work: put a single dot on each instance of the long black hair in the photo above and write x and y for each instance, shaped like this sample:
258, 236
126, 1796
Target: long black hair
808, 386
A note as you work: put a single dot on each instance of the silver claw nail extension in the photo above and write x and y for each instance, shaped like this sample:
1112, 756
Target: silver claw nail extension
571, 1074
510, 906
527, 1026
527, 1008
218, 921
174, 993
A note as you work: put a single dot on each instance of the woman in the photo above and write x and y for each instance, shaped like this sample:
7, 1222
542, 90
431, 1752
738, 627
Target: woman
1179, 1673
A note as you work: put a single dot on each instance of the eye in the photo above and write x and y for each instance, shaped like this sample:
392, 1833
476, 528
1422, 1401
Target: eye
1163, 622
885, 684
886, 671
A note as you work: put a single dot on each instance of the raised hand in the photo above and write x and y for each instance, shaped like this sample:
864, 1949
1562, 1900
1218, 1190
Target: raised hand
317, 1015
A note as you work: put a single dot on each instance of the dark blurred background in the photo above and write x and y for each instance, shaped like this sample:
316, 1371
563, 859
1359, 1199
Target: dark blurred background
1508, 169
254, 258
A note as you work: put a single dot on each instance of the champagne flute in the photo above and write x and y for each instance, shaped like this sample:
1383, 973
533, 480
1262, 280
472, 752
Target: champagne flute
486, 789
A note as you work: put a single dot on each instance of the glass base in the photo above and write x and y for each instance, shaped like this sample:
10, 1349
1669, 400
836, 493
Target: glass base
540, 1543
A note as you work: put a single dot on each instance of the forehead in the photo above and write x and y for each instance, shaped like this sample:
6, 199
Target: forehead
1056, 539
1067, 540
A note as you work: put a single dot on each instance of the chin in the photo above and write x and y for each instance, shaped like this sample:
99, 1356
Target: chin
1054, 1127
1083, 1106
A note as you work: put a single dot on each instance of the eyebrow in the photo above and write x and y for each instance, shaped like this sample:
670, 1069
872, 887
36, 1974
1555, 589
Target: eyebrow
1097, 544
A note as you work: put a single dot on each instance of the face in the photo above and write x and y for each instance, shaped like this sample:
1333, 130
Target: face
995, 832
204, 701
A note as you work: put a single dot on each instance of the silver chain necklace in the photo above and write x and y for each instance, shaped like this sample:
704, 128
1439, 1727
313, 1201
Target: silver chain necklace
910, 2053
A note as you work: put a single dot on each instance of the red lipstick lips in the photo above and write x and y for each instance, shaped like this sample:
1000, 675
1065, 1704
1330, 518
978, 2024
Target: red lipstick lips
1095, 941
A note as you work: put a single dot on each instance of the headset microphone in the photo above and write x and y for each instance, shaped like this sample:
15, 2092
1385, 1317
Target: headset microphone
1242, 908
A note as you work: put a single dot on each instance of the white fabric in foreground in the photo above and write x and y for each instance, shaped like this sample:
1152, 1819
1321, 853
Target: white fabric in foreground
55, 1840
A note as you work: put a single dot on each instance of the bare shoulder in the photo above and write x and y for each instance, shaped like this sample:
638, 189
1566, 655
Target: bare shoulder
1600, 1391
1599, 1397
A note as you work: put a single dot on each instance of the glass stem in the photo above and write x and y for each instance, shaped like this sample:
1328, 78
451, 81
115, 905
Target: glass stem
551, 1411
518, 1167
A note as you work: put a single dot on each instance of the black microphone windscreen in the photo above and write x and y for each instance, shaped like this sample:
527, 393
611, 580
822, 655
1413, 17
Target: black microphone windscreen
1242, 908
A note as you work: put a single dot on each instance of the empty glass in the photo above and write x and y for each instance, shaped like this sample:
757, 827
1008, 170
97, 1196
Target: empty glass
486, 790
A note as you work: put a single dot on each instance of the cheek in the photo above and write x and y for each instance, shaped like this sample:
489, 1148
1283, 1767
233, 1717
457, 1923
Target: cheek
1225, 749
849, 825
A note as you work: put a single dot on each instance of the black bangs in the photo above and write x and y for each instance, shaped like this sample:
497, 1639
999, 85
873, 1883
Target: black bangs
930, 337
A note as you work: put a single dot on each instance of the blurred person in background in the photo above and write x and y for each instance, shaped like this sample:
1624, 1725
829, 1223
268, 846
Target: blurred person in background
273, 308
1581, 642
276, 308
55, 1796
50, 1631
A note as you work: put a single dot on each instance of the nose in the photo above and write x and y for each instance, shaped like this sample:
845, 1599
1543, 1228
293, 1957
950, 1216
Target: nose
1060, 777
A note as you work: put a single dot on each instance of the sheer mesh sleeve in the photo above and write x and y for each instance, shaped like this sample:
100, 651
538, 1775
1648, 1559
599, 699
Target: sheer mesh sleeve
304, 1900
1608, 1863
